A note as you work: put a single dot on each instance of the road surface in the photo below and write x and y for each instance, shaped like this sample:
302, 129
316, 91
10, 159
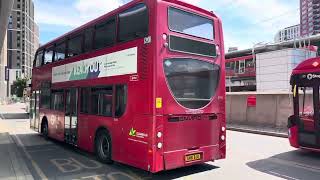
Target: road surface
249, 156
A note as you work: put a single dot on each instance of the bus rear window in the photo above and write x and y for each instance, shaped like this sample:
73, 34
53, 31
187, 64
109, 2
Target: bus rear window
192, 82
191, 24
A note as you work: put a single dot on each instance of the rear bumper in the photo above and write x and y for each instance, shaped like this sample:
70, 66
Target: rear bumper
176, 159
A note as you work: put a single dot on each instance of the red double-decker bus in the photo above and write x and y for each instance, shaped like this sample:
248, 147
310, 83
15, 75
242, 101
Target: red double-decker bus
304, 125
142, 85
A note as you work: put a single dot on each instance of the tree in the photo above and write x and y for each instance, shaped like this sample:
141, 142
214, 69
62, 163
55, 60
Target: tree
18, 86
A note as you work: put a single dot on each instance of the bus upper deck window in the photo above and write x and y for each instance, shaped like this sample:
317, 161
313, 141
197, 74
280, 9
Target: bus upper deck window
48, 55
134, 23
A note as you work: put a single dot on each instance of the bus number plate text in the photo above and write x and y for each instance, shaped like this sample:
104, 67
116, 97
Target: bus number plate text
193, 157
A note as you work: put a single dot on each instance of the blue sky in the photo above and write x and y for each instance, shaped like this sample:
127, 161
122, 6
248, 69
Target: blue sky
245, 22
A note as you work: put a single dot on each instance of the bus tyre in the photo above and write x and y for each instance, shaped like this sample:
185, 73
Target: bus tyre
45, 129
103, 147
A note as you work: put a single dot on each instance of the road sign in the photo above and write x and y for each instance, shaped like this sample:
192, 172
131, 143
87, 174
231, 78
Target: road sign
6, 75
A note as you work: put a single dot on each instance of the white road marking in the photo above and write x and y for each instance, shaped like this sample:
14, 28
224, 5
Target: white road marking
42, 150
283, 176
95, 177
34, 164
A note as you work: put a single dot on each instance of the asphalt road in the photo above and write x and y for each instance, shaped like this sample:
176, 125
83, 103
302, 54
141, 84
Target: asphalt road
249, 156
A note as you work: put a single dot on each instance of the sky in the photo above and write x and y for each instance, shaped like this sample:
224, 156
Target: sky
245, 22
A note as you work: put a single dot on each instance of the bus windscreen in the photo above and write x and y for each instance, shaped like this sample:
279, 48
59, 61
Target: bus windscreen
191, 24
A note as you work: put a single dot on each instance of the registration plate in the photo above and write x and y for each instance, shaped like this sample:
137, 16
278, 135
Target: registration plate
193, 157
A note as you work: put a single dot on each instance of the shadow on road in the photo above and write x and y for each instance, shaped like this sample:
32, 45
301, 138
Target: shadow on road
291, 165
55, 160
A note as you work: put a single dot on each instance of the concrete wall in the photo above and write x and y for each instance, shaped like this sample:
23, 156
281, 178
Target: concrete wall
271, 110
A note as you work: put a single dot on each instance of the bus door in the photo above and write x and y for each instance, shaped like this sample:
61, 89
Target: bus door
71, 116
309, 131
34, 111
316, 117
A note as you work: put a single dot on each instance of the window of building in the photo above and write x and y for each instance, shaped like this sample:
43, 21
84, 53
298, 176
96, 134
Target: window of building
75, 46
121, 100
60, 51
88, 42
48, 55
133, 23
17, 75
105, 34
57, 100
101, 101
304, 12
85, 98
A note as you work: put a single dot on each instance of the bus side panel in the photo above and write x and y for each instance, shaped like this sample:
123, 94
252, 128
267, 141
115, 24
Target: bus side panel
137, 141
55, 123
94, 123
84, 139
136, 123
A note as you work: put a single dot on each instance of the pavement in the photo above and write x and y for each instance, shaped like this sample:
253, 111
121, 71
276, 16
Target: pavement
12, 164
26, 155
268, 131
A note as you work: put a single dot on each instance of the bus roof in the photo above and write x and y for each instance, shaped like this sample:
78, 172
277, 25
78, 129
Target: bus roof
308, 66
120, 9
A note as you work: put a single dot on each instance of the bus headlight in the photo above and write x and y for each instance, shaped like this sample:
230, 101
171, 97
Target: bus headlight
159, 145
223, 138
223, 129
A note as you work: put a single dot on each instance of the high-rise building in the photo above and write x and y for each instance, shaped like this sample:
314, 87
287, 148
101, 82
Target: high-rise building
288, 33
23, 38
5, 9
309, 17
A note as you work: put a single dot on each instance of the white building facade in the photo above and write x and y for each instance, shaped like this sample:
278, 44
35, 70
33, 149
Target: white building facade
287, 34
274, 68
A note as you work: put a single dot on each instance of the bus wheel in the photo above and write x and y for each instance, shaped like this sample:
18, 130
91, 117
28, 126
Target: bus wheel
103, 147
45, 129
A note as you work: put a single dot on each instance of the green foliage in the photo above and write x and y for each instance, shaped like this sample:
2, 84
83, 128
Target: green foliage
18, 86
